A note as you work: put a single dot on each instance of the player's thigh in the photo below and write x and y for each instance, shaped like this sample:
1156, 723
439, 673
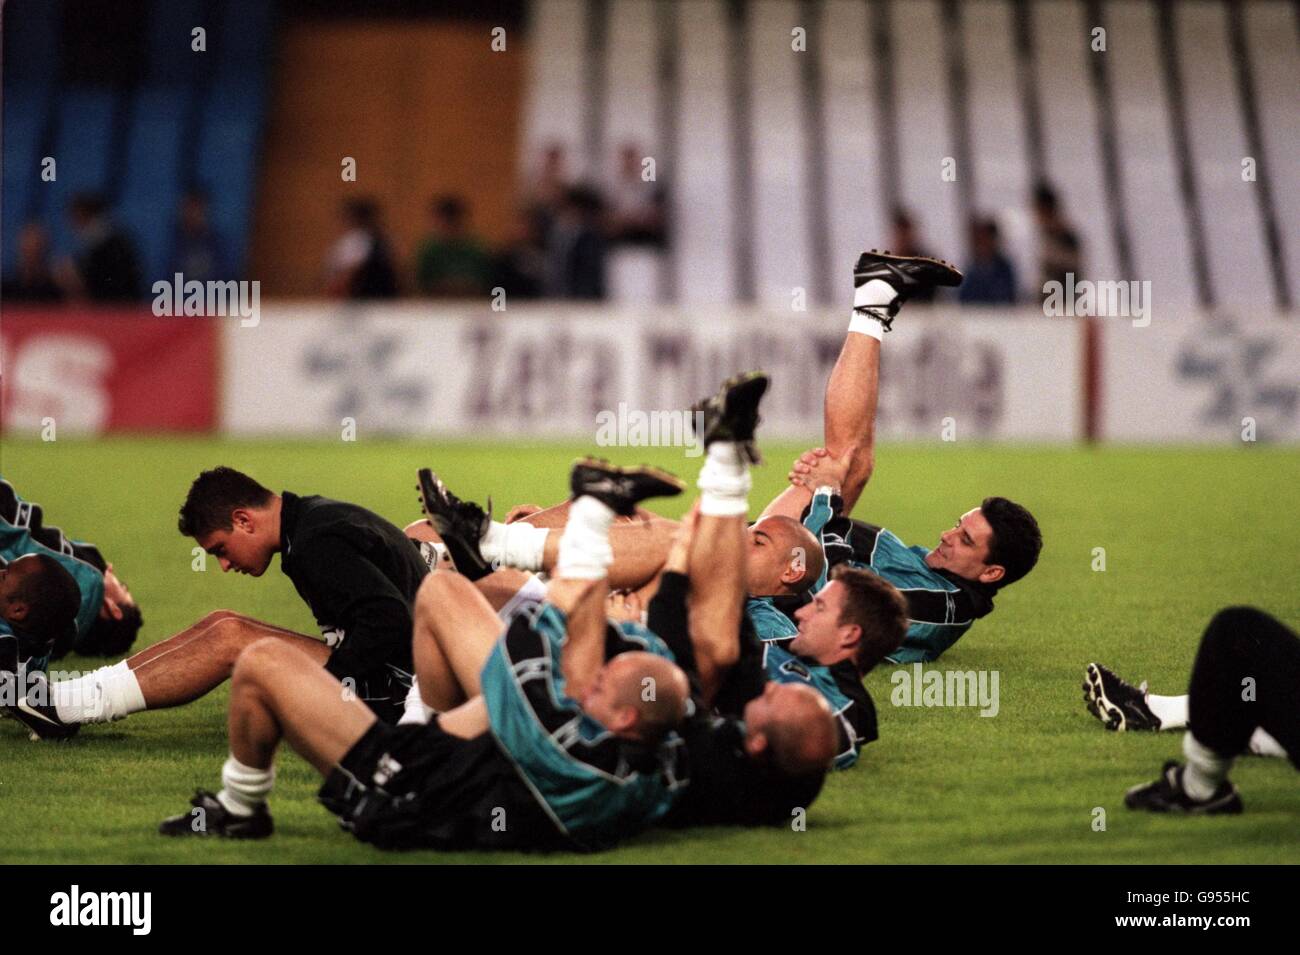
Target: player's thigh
320, 716
462, 621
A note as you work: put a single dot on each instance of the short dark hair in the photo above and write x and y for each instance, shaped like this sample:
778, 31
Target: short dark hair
875, 605
108, 637
1016, 540
212, 498
53, 602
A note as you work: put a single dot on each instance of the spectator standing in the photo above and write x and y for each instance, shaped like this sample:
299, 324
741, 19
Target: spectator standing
33, 280
990, 276
451, 262
106, 267
360, 264
1059, 252
575, 247
637, 205
520, 266
198, 253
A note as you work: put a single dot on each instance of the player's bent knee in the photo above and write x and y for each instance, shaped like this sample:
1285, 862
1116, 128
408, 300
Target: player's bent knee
219, 617
436, 586
259, 658
1231, 624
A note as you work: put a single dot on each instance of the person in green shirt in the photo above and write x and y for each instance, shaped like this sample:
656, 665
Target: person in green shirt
451, 262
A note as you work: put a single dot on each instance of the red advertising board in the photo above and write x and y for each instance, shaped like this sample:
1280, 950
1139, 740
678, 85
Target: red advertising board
94, 371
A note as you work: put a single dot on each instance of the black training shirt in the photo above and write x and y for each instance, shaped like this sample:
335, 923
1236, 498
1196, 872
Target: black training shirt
359, 575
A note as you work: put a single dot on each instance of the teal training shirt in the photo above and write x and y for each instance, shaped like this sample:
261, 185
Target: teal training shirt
840, 685
16, 542
597, 787
941, 606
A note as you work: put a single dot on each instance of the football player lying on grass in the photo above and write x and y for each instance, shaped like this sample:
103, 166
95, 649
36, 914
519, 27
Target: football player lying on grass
1121, 706
947, 587
757, 749
1246, 677
39, 602
357, 572
538, 743
109, 618
849, 626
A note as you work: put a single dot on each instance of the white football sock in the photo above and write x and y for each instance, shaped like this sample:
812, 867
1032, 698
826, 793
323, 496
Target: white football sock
874, 294
415, 712
1171, 711
1205, 769
532, 593
724, 481
244, 788
585, 553
518, 545
103, 695
1261, 744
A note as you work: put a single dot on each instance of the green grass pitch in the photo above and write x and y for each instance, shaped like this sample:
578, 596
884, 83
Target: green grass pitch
1185, 532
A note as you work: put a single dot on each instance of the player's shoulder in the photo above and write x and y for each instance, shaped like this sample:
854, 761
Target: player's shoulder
768, 620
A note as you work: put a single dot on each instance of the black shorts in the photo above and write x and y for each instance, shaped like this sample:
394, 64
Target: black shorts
383, 690
412, 787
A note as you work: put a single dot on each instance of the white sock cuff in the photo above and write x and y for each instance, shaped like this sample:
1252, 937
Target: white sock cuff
1171, 711
585, 553
866, 325
589, 513
726, 454
122, 691
518, 545
874, 294
248, 782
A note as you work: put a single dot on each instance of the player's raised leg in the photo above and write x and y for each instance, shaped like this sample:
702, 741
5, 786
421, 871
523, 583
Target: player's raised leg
601, 491
717, 568
881, 284
1121, 706
479, 545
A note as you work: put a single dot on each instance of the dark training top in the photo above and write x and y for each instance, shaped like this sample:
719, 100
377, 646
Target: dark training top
727, 787
359, 574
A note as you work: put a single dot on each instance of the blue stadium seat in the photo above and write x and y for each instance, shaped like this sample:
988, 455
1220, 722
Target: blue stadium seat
26, 110
82, 148
31, 41
245, 35
153, 184
227, 158
171, 59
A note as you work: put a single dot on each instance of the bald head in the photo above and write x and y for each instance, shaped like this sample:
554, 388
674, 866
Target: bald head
784, 557
639, 695
793, 728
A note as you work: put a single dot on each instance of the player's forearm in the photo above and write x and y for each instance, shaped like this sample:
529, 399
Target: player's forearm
789, 503
583, 604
